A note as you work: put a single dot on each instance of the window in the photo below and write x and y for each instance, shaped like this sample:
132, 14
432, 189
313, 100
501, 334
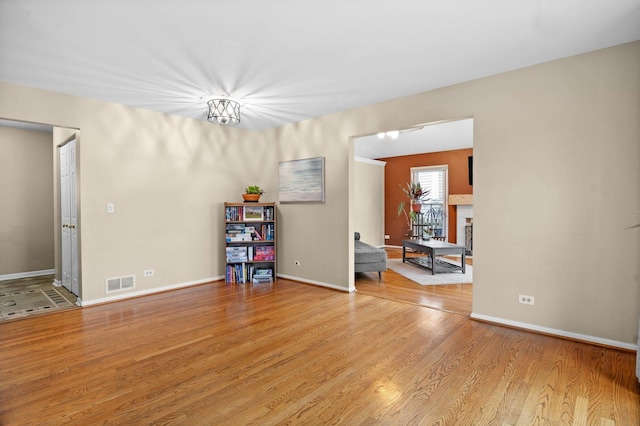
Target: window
433, 179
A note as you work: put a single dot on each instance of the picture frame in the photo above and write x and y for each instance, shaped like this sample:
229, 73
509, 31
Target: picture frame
250, 213
301, 181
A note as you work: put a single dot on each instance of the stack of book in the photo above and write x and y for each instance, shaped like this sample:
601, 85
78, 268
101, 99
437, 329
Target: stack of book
264, 253
239, 232
263, 276
241, 273
237, 254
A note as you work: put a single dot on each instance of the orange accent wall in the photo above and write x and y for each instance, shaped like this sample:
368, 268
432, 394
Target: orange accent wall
398, 172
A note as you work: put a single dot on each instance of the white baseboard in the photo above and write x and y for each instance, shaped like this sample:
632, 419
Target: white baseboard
85, 303
318, 283
27, 274
555, 332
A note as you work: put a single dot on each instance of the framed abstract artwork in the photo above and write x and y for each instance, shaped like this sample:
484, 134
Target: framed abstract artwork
301, 181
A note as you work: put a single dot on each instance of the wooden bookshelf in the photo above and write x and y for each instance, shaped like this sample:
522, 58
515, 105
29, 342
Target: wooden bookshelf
250, 242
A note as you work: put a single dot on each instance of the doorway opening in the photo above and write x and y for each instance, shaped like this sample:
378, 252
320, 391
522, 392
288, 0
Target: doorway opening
31, 257
445, 145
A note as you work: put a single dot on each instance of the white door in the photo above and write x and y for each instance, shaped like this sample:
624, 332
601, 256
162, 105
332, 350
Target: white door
69, 218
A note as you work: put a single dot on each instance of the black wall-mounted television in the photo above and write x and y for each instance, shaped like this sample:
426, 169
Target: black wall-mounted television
471, 170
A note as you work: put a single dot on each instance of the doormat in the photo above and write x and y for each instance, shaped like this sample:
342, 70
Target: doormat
17, 304
423, 276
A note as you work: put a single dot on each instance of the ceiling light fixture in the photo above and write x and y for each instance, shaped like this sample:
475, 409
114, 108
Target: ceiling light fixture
393, 134
224, 111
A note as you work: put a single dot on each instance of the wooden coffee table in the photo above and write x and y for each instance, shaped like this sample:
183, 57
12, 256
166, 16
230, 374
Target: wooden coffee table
433, 249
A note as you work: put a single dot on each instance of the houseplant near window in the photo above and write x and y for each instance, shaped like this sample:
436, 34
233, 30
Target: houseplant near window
416, 194
252, 194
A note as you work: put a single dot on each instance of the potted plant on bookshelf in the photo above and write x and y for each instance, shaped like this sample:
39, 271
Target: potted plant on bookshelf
252, 194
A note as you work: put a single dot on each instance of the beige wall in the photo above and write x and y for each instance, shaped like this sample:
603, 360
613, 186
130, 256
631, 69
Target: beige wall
556, 181
26, 201
368, 206
168, 177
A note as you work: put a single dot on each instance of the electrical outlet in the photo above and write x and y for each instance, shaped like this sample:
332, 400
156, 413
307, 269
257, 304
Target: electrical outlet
386, 237
527, 300
296, 263
148, 272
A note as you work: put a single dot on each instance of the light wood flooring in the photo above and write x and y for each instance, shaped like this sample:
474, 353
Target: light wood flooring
292, 353
454, 298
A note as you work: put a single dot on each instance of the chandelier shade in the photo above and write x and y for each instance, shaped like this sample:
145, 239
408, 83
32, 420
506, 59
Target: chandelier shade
224, 111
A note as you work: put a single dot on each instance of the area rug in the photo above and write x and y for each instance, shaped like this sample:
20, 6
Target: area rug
16, 304
423, 276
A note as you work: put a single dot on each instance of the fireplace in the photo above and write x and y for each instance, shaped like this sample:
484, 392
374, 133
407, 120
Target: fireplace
464, 220
468, 236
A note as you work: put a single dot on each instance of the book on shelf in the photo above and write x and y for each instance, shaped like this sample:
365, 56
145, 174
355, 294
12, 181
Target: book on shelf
232, 238
236, 273
264, 271
268, 213
267, 232
237, 213
236, 254
240, 273
263, 275
241, 232
250, 243
264, 253
234, 213
235, 228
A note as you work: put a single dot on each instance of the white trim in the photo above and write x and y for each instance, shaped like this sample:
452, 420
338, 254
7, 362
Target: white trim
370, 161
27, 274
319, 283
147, 292
555, 332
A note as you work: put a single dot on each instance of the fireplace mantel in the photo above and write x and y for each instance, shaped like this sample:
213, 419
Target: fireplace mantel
461, 200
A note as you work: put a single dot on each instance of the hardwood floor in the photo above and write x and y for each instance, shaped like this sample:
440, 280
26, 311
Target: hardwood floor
291, 353
454, 298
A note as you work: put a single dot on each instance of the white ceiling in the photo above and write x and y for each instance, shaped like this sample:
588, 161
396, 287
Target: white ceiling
431, 138
290, 60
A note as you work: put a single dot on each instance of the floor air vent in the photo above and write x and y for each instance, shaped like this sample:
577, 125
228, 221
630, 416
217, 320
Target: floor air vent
120, 283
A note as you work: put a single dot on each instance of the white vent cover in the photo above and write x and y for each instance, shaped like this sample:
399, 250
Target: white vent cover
120, 283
